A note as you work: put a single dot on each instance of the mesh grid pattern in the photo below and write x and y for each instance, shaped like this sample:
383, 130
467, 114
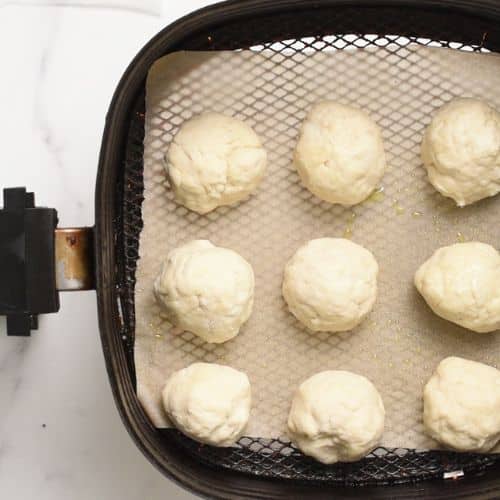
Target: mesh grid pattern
277, 458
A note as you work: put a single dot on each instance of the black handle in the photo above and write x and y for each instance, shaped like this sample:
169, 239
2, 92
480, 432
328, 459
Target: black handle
27, 261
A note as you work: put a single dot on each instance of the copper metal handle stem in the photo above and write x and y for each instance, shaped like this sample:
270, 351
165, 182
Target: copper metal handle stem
74, 258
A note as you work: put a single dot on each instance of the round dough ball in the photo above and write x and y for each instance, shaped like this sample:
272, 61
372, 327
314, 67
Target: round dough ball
460, 283
208, 402
206, 290
461, 151
340, 153
462, 405
336, 416
330, 284
214, 160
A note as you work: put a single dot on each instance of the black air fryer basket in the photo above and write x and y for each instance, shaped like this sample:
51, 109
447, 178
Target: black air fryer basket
257, 468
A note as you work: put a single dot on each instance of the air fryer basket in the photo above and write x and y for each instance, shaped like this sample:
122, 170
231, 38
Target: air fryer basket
265, 468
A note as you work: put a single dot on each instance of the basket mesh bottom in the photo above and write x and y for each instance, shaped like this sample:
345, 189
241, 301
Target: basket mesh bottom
277, 458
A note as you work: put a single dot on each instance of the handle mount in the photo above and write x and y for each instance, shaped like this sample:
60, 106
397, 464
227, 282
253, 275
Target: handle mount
74, 262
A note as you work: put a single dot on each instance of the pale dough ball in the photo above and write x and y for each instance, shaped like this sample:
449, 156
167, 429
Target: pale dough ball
330, 284
340, 153
206, 290
336, 416
208, 402
214, 160
462, 405
461, 151
460, 283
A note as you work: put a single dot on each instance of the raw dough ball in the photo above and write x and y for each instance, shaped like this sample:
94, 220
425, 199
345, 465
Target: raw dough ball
461, 151
214, 160
460, 283
208, 402
340, 154
336, 416
206, 290
462, 405
330, 284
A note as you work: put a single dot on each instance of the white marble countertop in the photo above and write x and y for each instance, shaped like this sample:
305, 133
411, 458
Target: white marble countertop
60, 433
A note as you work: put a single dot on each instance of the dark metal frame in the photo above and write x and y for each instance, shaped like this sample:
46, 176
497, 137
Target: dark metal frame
173, 460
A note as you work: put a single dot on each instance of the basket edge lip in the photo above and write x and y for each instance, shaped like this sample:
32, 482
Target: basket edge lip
131, 82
